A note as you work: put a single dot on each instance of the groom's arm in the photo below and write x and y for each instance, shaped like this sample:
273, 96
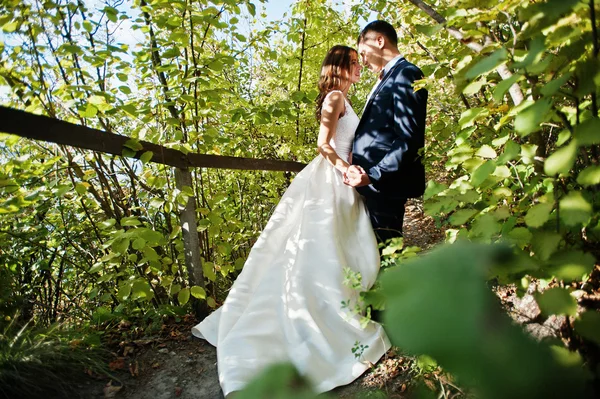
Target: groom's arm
409, 114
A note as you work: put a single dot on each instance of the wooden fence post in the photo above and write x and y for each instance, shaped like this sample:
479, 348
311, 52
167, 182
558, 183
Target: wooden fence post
191, 243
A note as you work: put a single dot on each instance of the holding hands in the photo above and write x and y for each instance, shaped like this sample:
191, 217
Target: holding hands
355, 176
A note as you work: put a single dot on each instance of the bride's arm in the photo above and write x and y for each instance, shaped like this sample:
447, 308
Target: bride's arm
333, 107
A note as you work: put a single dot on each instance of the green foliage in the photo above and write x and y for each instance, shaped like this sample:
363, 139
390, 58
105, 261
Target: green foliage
82, 233
512, 150
45, 363
439, 305
280, 381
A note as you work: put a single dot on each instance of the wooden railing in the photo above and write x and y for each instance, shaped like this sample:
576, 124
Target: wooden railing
44, 128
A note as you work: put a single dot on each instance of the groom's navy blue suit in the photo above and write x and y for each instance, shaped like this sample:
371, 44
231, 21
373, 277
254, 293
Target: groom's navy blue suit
388, 145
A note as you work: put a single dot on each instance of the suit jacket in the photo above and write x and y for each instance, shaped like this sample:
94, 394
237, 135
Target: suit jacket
391, 134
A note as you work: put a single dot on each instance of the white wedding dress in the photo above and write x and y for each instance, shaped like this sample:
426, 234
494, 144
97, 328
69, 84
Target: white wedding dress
286, 304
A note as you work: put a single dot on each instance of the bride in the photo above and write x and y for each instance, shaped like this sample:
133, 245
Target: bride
286, 304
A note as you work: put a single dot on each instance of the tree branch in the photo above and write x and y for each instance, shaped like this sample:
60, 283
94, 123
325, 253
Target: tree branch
515, 91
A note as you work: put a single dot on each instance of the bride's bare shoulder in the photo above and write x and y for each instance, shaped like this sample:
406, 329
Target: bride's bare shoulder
335, 102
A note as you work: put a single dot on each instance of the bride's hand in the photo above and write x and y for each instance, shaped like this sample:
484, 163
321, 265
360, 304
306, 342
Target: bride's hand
353, 173
354, 170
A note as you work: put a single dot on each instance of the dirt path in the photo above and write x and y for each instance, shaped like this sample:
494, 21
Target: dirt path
177, 365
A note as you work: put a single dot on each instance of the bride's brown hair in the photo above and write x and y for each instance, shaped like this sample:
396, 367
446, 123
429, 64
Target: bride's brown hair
336, 62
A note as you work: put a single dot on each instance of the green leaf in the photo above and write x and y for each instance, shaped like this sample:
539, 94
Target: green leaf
174, 289
565, 357
130, 109
120, 245
215, 219
124, 292
538, 214
251, 9
571, 265
503, 86
394, 246
462, 216
557, 301
175, 52
502, 171
140, 289
545, 243
216, 66
588, 326
474, 87
97, 100
138, 244
82, 188
146, 157
520, 236
198, 292
530, 119
150, 254
487, 64
96, 268
511, 151
590, 176
10, 27
429, 30
239, 263
71, 48
588, 132
174, 20
485, 227
297, 95
130, 221
433, 189
210, 301
133, 144
90, 111
105, 277
203, 224
485, 151
468, 117
87, 25
575, 209
183, 296
536, 50
111, 13
209, 271
554, 85
153, 238
563, 137
482, 173
108, 223
125, 89
445, 291
562, 160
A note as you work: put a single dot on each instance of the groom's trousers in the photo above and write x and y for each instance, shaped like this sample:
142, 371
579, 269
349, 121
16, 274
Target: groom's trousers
387, 215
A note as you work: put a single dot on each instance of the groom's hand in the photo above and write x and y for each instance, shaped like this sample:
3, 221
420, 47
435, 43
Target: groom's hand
356, 176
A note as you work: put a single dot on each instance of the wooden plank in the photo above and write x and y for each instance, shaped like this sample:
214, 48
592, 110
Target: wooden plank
44, 128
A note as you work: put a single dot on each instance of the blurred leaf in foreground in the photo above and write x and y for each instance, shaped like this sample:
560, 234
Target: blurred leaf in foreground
440, 305
280, 381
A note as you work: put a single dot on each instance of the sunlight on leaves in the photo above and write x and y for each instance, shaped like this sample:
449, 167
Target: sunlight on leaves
557, 301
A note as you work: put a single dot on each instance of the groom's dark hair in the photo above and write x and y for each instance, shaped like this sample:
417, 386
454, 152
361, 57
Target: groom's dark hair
381, 27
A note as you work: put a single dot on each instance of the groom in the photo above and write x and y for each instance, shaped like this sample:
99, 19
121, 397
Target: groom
387, 154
